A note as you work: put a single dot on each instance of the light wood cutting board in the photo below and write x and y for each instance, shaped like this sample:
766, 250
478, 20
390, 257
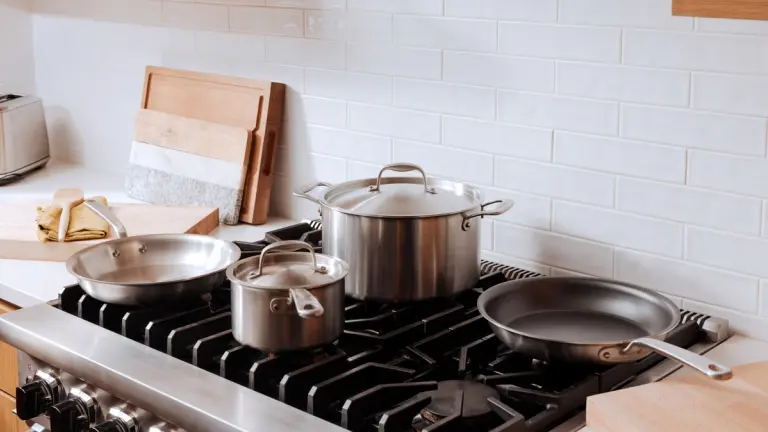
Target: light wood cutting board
181, 161
241, 102
692, 403
18, 239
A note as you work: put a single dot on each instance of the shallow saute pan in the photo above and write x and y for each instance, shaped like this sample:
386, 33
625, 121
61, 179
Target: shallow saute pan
149, 269
584, 320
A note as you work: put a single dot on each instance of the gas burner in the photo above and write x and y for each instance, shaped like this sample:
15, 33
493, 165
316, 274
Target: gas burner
468, 396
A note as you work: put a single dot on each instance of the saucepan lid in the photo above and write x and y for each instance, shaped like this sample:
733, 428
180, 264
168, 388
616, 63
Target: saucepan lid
407, 197
280, 266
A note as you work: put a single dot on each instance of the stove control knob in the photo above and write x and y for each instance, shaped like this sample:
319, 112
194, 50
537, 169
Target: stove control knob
114, 425
68, 416
32, 399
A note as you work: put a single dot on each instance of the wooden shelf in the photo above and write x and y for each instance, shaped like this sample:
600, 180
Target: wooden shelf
742, 9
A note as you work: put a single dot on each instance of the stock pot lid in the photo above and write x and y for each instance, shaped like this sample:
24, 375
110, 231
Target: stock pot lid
403, 196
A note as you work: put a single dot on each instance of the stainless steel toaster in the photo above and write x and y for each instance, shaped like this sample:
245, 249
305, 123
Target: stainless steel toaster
23, 136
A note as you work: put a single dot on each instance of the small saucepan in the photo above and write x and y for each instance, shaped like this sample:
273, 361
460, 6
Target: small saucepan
286, 300
584, 320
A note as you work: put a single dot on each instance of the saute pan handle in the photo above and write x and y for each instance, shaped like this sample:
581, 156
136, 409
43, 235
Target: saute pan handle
105, 213
503, 206
304, 190
702, 364
402, 167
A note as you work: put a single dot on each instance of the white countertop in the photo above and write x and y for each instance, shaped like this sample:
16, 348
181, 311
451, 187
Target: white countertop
26, 283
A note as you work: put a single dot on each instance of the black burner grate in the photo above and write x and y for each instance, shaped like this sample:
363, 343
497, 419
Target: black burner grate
383, 372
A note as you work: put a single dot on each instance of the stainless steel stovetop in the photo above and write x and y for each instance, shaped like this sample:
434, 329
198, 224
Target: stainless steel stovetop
431, 366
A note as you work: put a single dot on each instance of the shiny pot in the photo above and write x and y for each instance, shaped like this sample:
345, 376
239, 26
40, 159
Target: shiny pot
405, 238
285, 300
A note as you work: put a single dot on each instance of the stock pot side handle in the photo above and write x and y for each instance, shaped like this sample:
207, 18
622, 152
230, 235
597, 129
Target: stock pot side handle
501, 206
304, 190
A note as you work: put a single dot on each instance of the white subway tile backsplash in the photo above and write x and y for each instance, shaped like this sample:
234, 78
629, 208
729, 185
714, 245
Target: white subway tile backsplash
620, 229
610, 120
395, 60
727, 251
741, 175
691, 281
736, 94
348, 26
306, 52
451, 163
349, 145
623, 13
362, 170
596, 44
506, 10
349, 86
558, 112
513, 73
196, 16
620, 156
623, 83
322, 112
735, 26
263, 20
308, 4
554, 181
399, 123
693, 51
446, 98
500, 139
446, 33
529, 210
554, 249
764, 298
686, 204
694, 129
415, 7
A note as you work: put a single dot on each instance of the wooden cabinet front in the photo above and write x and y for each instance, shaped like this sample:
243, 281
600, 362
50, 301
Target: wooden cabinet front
8, 420
9, 377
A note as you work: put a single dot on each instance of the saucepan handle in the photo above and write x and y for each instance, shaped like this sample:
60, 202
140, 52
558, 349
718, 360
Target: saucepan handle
501, 206
702, 364
304, 190
105, 213
307, 305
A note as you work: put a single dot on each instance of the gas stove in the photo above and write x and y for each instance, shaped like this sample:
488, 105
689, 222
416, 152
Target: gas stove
428, 366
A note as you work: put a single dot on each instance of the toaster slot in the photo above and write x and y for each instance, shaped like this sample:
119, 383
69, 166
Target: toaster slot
8, 98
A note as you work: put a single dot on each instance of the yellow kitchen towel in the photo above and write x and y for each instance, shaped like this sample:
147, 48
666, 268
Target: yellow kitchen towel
84, 224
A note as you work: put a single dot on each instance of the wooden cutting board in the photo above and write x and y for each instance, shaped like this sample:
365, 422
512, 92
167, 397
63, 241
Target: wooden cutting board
181, 161
692, 403
251, 104
18, 239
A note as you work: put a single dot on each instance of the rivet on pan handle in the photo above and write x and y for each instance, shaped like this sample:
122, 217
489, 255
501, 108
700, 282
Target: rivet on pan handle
701, 363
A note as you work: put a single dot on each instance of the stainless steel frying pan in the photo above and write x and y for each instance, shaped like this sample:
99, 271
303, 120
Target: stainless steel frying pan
150, 269
567, 319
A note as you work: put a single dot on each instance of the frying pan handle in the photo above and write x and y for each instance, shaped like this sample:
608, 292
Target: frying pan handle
105, 213
702, 364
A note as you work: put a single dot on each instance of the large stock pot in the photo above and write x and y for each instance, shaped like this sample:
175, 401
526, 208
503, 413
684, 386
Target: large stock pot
404, 238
